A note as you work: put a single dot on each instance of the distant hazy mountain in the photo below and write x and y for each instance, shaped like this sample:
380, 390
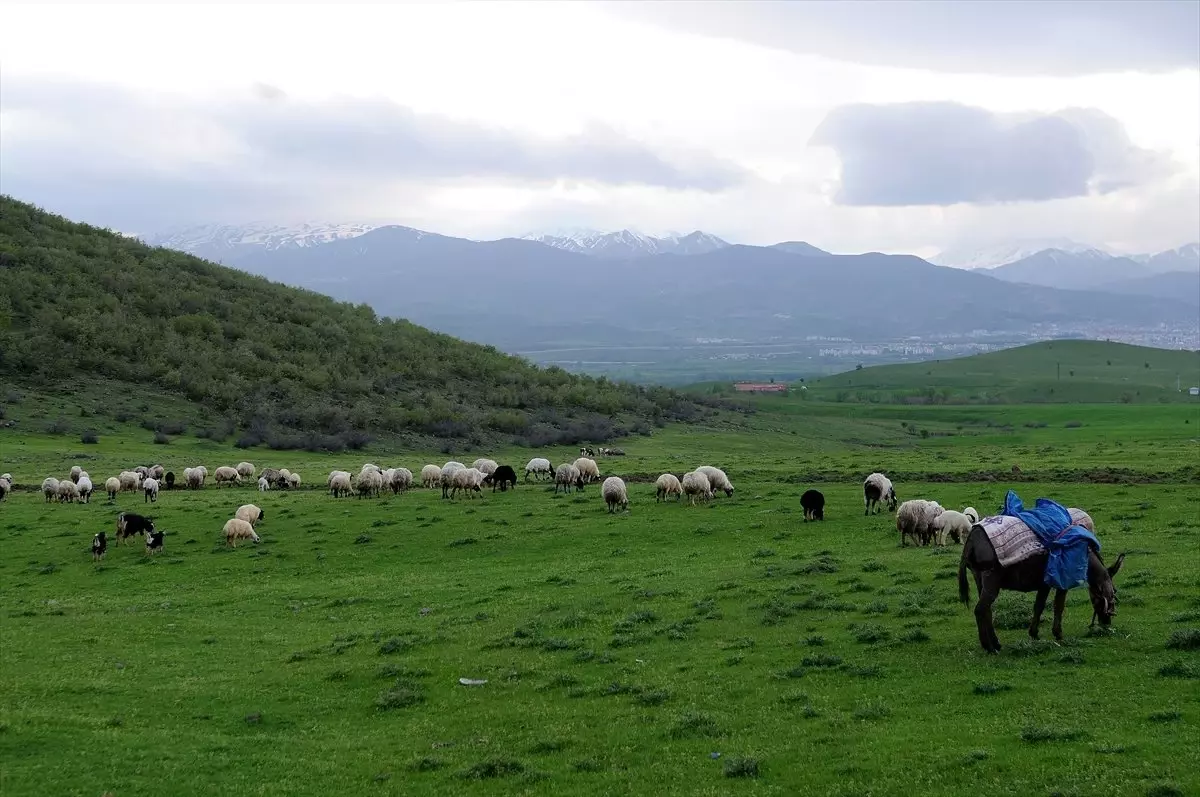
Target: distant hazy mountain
1181, 285
1055, 268
227, 242
1002, 254
625, 243
799, 248
1185, 258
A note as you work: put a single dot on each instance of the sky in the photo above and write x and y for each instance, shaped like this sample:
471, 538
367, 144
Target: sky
856, 126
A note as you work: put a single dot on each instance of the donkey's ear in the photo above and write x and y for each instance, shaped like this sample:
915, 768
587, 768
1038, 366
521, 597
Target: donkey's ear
1112, 571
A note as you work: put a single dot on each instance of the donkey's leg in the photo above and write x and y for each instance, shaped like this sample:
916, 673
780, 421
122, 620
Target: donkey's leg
1039, 606
989, 589
1060, 603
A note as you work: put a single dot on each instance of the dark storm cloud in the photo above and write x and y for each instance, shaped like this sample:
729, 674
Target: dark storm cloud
1008, 37
946, 153
136, 160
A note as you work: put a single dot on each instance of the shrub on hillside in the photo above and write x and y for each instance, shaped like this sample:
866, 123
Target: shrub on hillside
89, 437
161, 439
58, 426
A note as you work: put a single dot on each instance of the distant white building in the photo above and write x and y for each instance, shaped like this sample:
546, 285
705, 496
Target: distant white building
1194, 391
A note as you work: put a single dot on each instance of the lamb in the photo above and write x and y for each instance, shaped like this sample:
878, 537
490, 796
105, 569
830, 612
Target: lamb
131, 481
431, 476
915, 519
878, 488
951, 524
246, 470
717, 479
448, 476
150, 489
813, 503
667, 485
75, 471
50, 488
68, 491
339, 483
154, 542
129, 524
539, 467
238, 529
99, 546
157, 472
85, 488
588, 469
566, 476
263, 485
466, 479
504, 476
249, 513
226, 475
112, 486
194, 478
696, 484
614, 494
486, 466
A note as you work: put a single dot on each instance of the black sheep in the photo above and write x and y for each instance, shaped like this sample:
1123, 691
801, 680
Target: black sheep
99, 546
129, 524
504, 476
170, 480
814, 505
154, 541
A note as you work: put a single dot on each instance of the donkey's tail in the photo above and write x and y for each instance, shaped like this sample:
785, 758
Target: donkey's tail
964, 586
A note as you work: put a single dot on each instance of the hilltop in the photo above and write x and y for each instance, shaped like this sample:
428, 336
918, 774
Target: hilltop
89, 311
1052, 371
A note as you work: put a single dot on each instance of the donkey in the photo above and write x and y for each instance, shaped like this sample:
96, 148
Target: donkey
1028, 575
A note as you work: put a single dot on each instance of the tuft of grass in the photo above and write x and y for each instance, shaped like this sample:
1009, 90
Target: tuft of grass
1165, 716
493, 768
1179, 669
741, 768
989, 688
402, 695
1184, 639
869, 633
694, 724
821, 660
871, 710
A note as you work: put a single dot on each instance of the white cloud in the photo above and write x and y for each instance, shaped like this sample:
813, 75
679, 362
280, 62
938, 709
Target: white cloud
551, 72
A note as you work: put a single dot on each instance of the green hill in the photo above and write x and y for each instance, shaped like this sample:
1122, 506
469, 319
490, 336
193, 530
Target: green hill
121, 328
1053, 371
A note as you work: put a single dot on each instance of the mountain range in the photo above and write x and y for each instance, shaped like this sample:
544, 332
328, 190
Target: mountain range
631, 290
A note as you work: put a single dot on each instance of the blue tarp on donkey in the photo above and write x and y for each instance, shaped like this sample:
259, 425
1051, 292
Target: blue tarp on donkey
1067, 544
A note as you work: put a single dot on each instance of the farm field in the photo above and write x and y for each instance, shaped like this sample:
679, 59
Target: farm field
721, 649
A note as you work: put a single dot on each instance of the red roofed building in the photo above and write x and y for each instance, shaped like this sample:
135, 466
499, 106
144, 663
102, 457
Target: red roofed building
760, 387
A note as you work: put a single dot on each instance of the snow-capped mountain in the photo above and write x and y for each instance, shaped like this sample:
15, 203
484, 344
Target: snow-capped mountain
1185, 258
1082, 270
626, 243
803, 248
1003, 254
227, 242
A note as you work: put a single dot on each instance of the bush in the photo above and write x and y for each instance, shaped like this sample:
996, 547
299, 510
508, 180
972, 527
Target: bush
89, 437
58, 426
161, 439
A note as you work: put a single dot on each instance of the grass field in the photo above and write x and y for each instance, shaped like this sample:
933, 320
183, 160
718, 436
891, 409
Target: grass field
721, 649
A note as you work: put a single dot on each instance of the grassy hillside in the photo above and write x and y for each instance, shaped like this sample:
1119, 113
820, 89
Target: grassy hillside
1082, 371
113, 323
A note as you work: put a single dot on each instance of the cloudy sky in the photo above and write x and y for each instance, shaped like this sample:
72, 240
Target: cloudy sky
856, 126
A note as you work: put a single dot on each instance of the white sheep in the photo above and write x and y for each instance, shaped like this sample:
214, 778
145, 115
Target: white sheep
194, 478
915, 519
717, 479
696, 485
431, 476
75, 471
263, 485
249, 513
971, 514
339, 483
468, 480
245, 469
203, 471
157, 473
878, 488
150, 490
50, 488
402, 479
6, 485
448, 476
1081, 519
131, 481
667, 485
567, 476
485, 466
375, 468
293, 480
954, 525
226, 475
369, 483
68, 491
538, 466
238, 529
588, 469
614, 494
112, 486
